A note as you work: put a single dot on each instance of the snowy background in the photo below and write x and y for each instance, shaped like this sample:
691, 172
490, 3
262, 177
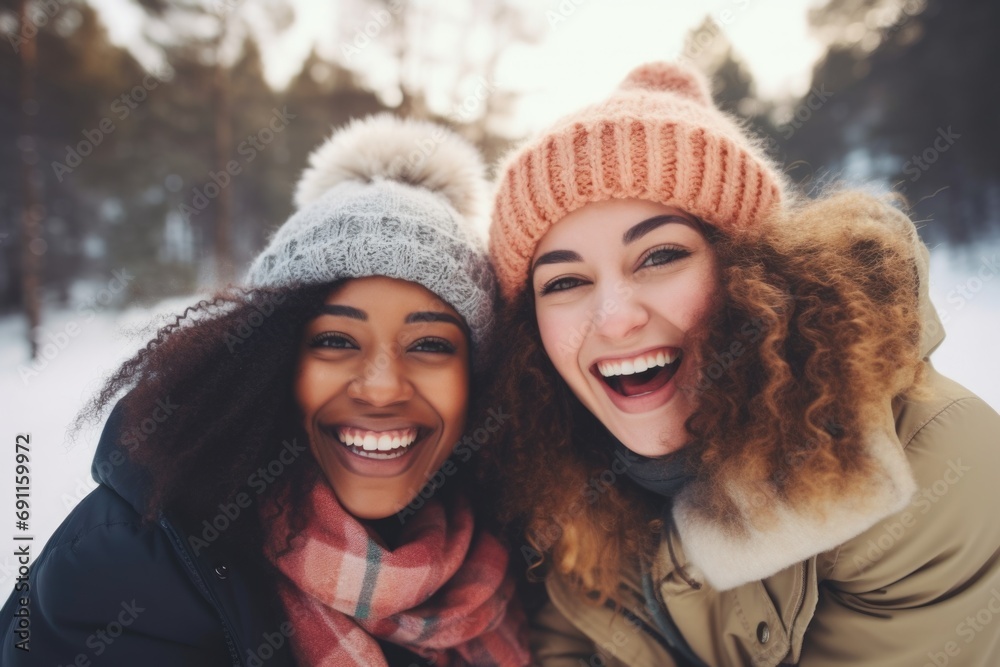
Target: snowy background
965, 289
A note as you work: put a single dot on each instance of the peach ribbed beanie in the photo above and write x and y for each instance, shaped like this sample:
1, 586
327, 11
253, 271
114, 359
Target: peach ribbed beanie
658, 137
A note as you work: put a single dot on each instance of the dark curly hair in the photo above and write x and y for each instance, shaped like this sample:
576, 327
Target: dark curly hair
226, 367
824, 301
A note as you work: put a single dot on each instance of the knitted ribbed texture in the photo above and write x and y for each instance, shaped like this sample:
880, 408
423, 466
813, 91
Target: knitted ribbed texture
659, 138
381, 199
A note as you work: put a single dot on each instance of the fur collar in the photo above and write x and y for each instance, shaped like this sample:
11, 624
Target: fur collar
768, 534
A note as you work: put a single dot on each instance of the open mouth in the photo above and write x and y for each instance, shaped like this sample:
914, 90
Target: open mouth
639, 375
378, 445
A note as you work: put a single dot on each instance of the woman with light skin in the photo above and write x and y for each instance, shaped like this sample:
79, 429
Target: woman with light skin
268, 516
728, 445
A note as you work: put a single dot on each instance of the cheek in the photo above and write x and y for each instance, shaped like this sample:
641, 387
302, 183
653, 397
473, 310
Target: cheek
704, 295
560, 336
303, 388
687, 304
459, 402
448, 393
315, 384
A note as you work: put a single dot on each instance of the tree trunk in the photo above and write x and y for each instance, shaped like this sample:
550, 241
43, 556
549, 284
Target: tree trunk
223, 146
32, 244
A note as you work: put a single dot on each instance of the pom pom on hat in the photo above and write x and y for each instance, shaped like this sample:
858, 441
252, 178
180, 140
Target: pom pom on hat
407, 151
682, 80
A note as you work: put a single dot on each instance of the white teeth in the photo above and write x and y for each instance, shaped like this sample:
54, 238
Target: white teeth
638, 364
374, 441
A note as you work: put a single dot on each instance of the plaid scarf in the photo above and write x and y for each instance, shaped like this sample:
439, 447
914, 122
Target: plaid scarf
443, 593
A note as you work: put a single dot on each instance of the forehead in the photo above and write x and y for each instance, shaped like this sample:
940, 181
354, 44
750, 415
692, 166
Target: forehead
598, 222
374, 294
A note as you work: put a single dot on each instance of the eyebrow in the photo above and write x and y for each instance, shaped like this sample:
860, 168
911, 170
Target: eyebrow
421, 316
343, 311
646, 226
557, 257
433, 316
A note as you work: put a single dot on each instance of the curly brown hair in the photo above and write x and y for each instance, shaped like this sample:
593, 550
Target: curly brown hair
824, 303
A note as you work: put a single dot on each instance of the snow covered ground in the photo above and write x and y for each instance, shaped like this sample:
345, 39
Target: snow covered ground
88, 341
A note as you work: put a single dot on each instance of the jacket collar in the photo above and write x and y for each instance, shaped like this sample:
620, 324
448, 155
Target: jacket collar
112, 465
932, 333
745, 548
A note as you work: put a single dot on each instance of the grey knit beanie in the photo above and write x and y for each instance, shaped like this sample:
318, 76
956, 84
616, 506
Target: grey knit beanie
389, 197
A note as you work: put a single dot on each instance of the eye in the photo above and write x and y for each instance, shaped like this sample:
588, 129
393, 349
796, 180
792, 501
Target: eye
433, 345
560, 285
663, 255
333, 340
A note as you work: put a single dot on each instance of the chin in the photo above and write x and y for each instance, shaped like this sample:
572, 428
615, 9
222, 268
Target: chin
665, 437
370, 504
366, 512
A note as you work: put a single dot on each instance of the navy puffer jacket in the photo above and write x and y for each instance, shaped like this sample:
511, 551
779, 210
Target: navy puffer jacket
108, 589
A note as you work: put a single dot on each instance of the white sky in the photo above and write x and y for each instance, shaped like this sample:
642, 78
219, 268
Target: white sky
586, 49
587, 55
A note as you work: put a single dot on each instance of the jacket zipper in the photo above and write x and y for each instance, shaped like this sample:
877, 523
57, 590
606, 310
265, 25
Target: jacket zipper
802, 593
227, 629
667, 630
798, 606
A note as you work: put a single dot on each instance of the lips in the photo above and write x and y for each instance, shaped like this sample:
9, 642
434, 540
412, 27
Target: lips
638, 374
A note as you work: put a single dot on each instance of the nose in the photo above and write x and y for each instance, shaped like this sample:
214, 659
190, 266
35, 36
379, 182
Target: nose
382, 382
619, 312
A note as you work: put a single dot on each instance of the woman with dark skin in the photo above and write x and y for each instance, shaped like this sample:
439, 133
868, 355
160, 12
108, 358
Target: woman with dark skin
275, 486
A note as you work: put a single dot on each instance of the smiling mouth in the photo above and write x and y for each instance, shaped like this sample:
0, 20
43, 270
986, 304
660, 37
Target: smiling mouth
378, 445
639, 375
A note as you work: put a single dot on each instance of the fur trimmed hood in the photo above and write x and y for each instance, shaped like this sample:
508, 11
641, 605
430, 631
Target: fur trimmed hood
771, 534
759, 532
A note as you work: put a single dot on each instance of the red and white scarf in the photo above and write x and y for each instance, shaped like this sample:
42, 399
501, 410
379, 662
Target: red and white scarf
443, 593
